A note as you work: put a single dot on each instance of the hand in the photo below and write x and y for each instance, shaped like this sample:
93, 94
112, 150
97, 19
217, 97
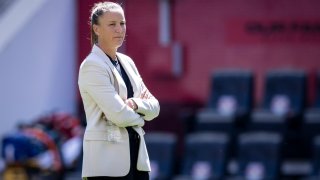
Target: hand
131, 104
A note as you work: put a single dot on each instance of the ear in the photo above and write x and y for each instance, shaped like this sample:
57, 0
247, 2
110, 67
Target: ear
96, 29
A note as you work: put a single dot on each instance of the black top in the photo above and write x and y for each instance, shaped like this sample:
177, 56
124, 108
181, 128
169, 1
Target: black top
124, 76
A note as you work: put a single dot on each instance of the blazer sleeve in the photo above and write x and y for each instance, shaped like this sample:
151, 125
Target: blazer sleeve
150, 107
96, 81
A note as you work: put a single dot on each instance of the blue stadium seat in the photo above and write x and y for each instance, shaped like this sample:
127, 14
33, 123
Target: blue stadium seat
161, 148
231, 97
283, 101
206, 155
282, 108
315, 163
259, 155
311, 119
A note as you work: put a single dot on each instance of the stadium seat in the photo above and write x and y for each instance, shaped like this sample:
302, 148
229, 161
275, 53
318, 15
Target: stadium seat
315, 172
205, 157
161, 148
259, 155
282, 109
231, 96
311, 118
283, 101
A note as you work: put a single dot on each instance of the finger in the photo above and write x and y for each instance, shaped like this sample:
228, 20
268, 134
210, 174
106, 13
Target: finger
128, 103
149, 95
143, 95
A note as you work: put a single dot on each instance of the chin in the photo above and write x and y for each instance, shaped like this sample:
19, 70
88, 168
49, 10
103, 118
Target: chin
118, 45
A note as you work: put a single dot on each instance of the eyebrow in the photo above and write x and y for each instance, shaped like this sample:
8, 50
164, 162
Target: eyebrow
117, 21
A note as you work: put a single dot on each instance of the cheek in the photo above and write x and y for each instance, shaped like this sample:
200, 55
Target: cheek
108, 35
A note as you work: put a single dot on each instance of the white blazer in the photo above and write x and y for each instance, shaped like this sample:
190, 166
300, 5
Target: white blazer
106, 143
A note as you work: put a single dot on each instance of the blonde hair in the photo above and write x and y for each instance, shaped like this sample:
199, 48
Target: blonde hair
98, 10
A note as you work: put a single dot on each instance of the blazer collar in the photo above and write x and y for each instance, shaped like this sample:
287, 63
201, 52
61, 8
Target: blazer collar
122, 86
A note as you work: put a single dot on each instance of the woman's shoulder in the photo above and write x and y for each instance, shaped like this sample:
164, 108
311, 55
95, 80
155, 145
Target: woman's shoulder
92, 59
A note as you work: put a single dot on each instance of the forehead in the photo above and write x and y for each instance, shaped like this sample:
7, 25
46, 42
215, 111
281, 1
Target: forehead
113, 15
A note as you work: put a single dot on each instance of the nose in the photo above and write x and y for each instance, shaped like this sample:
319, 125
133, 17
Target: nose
118, 29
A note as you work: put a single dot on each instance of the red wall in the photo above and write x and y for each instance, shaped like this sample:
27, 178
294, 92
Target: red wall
255, 34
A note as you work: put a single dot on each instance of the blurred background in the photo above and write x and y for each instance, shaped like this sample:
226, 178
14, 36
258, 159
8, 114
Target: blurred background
238, 83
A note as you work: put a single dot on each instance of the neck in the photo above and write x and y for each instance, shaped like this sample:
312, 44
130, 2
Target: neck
111, 52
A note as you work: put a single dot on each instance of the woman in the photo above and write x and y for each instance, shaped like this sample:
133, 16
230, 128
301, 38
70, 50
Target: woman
116, 103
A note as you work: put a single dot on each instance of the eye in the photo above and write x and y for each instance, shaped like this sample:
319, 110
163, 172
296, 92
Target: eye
112, 24
122, 23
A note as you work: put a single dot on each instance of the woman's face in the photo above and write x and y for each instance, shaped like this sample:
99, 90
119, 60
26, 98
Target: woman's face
111, 29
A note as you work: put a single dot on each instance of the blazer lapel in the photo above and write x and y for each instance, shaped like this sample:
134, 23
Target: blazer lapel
132, 76
122, 86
